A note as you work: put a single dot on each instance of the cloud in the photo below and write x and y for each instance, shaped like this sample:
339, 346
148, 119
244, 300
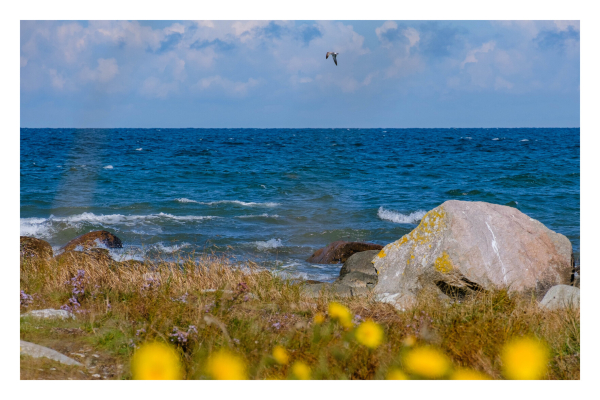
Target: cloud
558, 39
56, 79
152, 87
107, 69
484, 48
502, 83
225, 85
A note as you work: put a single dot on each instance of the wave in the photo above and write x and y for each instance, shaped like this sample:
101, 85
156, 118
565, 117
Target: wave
269, 244
108, 167
47, 227
399, 218
265, 215
525, 140
238, 202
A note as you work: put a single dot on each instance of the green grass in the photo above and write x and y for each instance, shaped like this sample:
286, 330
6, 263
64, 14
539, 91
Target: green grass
471, 332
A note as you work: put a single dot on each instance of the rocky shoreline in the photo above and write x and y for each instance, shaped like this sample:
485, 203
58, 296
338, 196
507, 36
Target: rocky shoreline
458, 248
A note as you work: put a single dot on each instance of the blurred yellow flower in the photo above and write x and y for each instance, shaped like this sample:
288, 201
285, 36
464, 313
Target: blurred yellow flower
409, 341
281, 355
369, 334
466, 374
319, 318
224, 365
525, 358
154, 361
394, 374
341, 314
300, 370
427, 362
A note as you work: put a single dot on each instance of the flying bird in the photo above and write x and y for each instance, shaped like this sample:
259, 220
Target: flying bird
332, 56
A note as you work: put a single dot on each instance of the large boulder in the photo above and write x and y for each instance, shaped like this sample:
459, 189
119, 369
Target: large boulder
93, 239
463, 246
339, 251
561, 296
32, 247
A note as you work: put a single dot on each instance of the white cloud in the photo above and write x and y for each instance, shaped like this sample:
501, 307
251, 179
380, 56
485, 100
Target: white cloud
484, 48
56, 79
107, 69
412, 35
502, 83
226, 85
153, 87
564, 25
380, 32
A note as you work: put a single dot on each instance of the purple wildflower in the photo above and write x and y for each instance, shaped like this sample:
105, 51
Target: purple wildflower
140, 331
26, 299
151, 283
277, 325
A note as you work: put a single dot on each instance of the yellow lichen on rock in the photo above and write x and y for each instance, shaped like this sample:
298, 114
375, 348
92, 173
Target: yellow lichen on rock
444, 263
381, 254
432, 223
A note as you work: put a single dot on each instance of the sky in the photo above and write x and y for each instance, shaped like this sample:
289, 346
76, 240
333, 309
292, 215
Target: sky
273, 74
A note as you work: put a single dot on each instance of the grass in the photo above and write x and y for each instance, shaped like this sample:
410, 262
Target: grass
211, 305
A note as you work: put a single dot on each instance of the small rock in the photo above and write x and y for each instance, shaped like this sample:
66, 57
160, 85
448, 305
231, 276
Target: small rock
93, 239
33, 247
34, 350
96, 376
95, 356
49, 313
339, 251
561, 296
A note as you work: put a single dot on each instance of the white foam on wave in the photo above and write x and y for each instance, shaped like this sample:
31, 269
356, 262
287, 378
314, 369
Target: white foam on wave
140, 149
169, 249
265, 215
35, 227
108, 167
238, 202
496, 139
46, 227
399, 218
525, 140
269, 244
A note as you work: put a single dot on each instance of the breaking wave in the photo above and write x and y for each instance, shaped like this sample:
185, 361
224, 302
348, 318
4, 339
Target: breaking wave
399, 218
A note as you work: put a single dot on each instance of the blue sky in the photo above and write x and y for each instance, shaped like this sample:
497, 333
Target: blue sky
269, 74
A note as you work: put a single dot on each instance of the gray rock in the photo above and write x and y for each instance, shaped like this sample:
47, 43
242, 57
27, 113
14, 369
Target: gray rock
357, 279
460, 247
360, 262
37, 351
48, 313
561, 296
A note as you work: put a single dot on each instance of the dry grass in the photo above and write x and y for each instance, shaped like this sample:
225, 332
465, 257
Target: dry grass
251, 310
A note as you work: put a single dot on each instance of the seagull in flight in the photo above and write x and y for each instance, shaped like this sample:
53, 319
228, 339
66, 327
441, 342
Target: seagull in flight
332, 56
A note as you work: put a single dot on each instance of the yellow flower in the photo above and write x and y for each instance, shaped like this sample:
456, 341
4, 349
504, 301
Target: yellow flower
395, 374
319, 318
223, 365
409, 341
427, 362
156, 361
281, 355
369, 334
300, 370
466, 374
525, 358
341, 314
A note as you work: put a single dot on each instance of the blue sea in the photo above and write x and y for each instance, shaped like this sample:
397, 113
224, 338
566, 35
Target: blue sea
274, 196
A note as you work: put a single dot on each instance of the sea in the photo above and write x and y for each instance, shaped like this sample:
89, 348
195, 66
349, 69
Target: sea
274, 196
